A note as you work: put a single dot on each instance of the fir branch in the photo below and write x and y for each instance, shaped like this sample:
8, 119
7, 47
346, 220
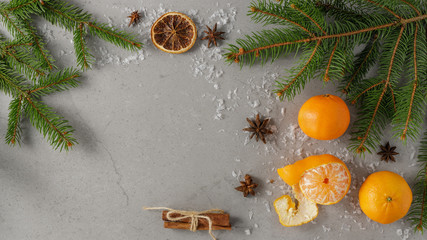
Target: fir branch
265, 15
361, 147
71, 17
354, 101
298, 76
374, 114
308, 16
26, 55
39, 49
24, 8
418, 213
20, 60
51, 125
409, 115
265, 38
56, 82
412, 6
118, 38
15, 27
385, 8
363, 63
64, 14
84, 57
236, 55
326, 77
13, 134
10, 82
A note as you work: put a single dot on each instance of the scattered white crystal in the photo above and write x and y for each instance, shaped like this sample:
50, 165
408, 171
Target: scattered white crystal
267, 206
248, 232
326, 229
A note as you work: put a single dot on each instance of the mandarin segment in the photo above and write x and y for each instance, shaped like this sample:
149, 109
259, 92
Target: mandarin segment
174, 33
326, 184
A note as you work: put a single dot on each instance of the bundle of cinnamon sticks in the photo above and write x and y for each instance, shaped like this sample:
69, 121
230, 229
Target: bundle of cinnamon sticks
220, 221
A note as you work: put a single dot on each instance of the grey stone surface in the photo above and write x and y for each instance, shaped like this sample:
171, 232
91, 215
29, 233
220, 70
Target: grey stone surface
148, 137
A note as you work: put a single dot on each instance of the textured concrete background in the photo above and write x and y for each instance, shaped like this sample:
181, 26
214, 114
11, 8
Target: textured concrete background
149, 135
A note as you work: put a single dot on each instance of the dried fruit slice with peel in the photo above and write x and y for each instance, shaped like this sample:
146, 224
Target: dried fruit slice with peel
292, 173
174, 32
292, 214
326, 184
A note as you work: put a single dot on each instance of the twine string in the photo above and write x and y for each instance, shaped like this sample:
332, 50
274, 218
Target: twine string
193, 215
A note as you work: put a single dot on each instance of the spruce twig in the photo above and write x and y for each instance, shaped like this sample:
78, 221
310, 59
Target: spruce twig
418, 213
27, 56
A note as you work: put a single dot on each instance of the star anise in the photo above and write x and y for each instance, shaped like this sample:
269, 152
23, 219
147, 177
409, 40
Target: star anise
387, 153
212, 35
247, 186
258, 128
134, 18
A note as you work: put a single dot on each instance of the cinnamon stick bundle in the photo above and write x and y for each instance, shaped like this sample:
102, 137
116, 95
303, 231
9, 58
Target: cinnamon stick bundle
220, 221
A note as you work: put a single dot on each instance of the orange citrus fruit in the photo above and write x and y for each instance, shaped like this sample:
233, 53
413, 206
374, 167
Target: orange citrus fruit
324, 117
385, 197
291, 214
292, 173
174, 32
326, 184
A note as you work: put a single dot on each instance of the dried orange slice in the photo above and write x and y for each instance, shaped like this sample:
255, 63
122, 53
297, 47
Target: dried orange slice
174, 32
291, 214
326, 184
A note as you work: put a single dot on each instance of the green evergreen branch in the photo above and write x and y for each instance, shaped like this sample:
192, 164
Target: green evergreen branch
310, 18
406, 121
70, 17
300, 77
10, 82
260, 13
412, 6
119, 38
26, 55
418, 213
39, 49
385, 8
84, 58
364, 61
13, 134
22, 62
65, 15
56, 82
365, 134
51, 125
16, 28
24, 8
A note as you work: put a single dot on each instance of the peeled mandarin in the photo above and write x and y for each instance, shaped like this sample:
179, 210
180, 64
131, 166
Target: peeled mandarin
292, 173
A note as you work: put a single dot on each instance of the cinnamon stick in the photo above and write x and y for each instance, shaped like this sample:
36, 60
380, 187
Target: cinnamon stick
186, 226
218, 219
